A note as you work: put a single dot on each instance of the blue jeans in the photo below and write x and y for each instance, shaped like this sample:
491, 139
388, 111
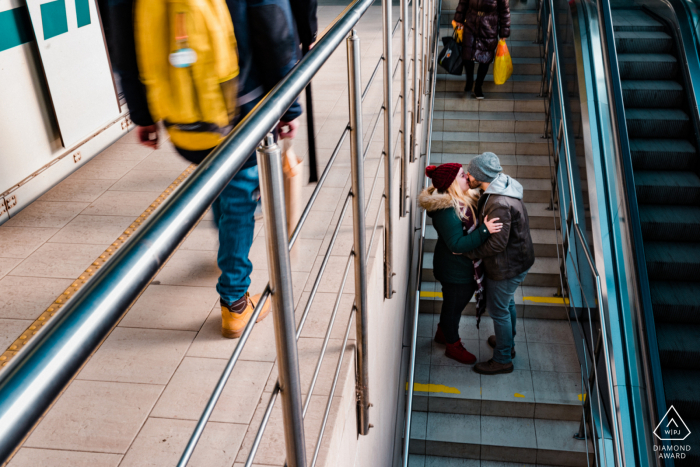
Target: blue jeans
234, 215
501, 306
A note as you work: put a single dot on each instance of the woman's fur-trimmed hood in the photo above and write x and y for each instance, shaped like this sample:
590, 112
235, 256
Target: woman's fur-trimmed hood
431, 200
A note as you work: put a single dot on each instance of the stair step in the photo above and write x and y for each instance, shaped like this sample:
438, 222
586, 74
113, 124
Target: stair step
489, 122
679, 345
673, 261
634, 20
522, 166
500, 143
657, 123
663, 154
670, 223
656, 42
675, 302
681, 390
649, 94
516, 17
647, 66
661, 187
544, 273
521, 65
544, 241
498, 439
516, 83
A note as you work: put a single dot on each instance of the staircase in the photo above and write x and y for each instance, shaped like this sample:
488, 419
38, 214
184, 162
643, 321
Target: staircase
665, 161
528, 416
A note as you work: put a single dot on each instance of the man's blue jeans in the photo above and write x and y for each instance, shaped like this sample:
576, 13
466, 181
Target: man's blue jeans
501, 306
234, 215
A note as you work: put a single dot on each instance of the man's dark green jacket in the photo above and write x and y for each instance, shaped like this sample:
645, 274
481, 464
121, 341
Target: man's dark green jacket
450, 268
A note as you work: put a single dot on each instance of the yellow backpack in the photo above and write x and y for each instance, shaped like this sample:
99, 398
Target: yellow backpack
188, 62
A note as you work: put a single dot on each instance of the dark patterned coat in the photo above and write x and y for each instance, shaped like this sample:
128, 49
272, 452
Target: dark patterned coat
484, 22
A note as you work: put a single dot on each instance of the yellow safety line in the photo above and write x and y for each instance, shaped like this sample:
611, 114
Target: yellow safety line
77, 284
420, 387
552, 300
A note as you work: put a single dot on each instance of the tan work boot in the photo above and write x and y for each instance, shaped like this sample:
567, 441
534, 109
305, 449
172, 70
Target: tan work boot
233, 324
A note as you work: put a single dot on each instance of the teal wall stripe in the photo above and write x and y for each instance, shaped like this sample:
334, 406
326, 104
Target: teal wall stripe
15, 28
53, 19
82, 11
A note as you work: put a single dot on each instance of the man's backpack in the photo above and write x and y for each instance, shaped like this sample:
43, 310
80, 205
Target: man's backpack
188, 62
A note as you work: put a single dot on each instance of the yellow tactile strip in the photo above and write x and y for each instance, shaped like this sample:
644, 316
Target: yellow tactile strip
61, 300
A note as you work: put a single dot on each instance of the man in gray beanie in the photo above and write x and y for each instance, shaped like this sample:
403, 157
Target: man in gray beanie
507, 255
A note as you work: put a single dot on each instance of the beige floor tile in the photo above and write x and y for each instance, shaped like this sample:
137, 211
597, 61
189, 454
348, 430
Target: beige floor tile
104, 169
53, 215
10, 330
27, 457
96, 230
146, 181
204, 237
333, 275
190, 388
161, 443
131, 355
125, 152
122, 203
78, 190
164, 160
96, 416
316, 224
209, 342
169, 307
20, 242
190, 268
7, 264
319, 316
59, 260
28, 297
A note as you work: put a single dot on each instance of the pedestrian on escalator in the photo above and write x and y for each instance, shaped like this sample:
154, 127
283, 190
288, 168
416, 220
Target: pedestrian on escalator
451, 206
267, 49
482, 22
506, 255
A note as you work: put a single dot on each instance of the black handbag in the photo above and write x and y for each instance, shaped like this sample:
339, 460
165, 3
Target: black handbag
450, 57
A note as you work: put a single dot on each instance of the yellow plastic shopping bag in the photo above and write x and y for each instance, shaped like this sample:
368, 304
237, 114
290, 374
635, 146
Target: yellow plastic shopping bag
503, 66
459, 31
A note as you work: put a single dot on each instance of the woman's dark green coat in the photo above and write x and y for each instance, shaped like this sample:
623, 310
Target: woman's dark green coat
452, 238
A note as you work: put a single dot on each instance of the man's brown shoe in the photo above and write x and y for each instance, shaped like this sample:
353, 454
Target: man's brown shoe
233, 324
492, 343
493, 368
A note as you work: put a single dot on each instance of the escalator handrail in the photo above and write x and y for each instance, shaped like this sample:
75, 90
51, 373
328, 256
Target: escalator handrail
607, 362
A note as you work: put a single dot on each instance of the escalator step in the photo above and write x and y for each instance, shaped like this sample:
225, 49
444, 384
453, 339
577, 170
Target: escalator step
681, 388
655, 42
657, 123
647, 66
634, 20
679, 345
652, 94
661, 187
665, 154
670, 223
675, 302
673, 261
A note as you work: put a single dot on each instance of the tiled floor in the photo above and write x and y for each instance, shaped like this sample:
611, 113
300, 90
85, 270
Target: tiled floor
137, 400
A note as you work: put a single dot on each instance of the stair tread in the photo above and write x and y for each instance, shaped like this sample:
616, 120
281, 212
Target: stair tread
675, 293
632, 18
677, 215
656, 114
675, 145
466, 136
489, 78
542, 265
641, 35
672, 252
485, 115
660, 85
681, 385
666, 179
492, 96
674, 337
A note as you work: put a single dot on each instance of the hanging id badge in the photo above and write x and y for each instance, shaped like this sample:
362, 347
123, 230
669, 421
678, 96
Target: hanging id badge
184, 56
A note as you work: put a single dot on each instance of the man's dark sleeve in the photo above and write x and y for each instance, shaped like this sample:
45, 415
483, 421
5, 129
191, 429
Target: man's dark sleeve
304, 12
123, 49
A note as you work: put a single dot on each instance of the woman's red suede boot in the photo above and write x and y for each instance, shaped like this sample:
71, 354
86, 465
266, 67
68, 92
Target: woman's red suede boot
457, 352
439, 336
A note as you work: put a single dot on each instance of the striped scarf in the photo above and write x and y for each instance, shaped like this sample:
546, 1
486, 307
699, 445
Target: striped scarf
469, 224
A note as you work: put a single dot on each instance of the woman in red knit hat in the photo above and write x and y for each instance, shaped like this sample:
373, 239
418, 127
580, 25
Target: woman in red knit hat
450, 204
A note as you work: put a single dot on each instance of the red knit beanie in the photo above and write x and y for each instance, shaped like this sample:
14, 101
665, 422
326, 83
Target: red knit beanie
443, 175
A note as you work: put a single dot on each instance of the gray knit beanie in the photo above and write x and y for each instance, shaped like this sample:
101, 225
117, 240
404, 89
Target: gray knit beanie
485, 168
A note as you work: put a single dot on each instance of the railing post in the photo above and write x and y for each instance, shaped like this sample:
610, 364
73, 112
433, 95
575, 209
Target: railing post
388, 154
405, 123
414, 96
279, 265
358, 227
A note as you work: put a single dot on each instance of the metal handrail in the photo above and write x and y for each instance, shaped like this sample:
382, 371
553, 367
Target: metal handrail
33, 380
421, 240
556, 71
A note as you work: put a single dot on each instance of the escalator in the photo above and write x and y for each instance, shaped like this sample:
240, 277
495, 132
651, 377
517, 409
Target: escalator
663, 146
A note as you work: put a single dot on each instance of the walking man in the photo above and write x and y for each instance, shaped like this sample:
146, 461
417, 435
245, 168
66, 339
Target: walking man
507, 255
